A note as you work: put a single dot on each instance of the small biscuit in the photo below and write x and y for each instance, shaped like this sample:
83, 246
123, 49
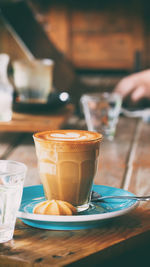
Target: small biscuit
54, 207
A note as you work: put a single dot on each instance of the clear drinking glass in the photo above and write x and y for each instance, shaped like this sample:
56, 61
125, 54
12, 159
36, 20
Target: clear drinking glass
6, 90
101, 111
33, 79
12, 175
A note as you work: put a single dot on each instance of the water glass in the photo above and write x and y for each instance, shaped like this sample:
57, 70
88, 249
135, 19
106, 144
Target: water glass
12, 175
6, 90
6, 100
33, 79
101, 111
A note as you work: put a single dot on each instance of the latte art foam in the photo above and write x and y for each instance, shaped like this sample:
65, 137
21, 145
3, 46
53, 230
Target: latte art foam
68, 135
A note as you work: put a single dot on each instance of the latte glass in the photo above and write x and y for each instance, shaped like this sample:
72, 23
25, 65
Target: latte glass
67, 161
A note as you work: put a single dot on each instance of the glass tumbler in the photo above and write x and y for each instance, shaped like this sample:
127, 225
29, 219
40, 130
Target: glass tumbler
101, 111
12, 175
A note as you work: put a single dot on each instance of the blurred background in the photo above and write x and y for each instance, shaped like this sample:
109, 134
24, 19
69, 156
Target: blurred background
93, 43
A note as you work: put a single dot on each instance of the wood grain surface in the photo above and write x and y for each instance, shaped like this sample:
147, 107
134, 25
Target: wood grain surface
114, 155
127, 157
22, 122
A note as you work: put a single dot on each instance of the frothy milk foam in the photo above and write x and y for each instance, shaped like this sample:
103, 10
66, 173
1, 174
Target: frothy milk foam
67, 161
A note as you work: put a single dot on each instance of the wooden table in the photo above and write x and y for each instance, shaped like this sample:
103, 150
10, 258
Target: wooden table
24, 122
124, 163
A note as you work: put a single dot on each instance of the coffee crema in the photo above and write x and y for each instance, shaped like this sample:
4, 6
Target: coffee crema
67, 161
68, 135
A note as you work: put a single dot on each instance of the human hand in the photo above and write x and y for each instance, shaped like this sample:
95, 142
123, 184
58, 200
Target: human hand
137, 86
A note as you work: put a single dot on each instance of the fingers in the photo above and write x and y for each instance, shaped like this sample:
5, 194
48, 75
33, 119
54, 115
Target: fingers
138, 93
125, 86
136, 85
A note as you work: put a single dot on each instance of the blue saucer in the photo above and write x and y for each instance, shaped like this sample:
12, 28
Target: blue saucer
90, 218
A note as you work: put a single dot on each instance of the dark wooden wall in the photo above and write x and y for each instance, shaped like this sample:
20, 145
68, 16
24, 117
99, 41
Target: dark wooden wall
96, 34
108, 36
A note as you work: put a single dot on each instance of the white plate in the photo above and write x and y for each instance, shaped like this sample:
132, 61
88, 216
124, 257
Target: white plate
87, 219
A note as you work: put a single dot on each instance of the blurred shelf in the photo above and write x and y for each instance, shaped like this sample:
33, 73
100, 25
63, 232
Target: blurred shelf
22, 122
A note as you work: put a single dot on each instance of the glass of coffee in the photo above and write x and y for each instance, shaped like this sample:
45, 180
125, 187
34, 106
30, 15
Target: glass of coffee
67, 161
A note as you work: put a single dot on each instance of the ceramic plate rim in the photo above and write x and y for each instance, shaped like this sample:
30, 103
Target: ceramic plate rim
78, 218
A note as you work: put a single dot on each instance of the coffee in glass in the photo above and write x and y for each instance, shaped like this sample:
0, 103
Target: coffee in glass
67, 161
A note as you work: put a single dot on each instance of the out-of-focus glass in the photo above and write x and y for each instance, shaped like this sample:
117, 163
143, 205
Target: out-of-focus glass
101, 111
12, 175
6, 90
33, 80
